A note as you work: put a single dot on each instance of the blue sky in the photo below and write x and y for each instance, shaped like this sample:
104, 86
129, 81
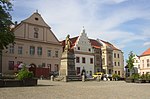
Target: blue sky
124, 23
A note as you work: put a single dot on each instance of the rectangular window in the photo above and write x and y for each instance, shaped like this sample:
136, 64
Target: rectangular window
143, 63
83, 59
118, 64
114, 55
56, 53
118, 72
109, 71
78, 70
11, 65
56, 67
115, 72
39, 51
49, 67
115, 63
110, 58
77, 59
91, 60
148, 63
32, 50
49, 53
43, 64
97, 58
20, 49
118, 56
78, 48
11, 49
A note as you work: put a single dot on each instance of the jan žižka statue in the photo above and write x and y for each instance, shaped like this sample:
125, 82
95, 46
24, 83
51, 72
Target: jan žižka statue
67, 43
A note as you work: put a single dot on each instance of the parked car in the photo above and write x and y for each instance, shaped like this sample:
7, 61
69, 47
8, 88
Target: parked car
97, 74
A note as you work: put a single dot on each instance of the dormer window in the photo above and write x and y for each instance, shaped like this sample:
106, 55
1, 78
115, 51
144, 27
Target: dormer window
36, 19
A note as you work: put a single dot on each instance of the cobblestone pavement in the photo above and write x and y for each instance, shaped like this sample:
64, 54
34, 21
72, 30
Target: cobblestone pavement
78, 90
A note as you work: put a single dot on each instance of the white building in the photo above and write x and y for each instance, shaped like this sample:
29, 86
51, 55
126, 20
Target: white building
84, 53
136, 68
145, 62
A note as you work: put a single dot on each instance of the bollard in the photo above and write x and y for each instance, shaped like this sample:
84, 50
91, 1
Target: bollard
83, 78
98, 78
41, 77
52, 78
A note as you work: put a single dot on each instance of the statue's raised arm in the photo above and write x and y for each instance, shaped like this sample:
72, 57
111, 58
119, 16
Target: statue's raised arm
67, 43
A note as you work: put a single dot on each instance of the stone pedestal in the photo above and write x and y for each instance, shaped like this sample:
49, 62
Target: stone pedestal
67, 67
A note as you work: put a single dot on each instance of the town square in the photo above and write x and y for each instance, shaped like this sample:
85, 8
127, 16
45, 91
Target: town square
78, 90
74, 49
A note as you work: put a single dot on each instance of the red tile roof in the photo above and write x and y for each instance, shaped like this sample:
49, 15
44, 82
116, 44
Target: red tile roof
110, 45
73, 40
147, 52
95, 43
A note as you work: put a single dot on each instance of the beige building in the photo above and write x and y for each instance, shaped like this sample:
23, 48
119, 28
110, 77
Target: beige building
35, 43
112, 59
107, 57
97, 55
145, 62
118, 62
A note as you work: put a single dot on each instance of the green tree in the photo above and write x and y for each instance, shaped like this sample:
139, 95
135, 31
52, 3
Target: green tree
6, 35
130, 62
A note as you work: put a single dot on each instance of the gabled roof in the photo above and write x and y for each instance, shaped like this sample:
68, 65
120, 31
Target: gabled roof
95, 43
110, 45
73, 40
36, 19
147, 52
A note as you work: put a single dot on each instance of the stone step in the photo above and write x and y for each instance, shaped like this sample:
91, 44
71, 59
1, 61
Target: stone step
74, 78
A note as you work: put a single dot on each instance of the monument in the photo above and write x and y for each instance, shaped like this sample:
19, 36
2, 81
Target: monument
67, 68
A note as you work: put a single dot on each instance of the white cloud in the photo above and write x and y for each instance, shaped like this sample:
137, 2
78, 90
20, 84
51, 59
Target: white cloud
147, 44
68, 17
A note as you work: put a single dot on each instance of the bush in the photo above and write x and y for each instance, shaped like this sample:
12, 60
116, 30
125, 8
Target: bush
135, 76
24, 74
115, 76
145, 76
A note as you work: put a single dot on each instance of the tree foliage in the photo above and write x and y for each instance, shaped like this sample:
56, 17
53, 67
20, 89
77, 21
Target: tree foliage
6, 35
24, 73
130, 61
